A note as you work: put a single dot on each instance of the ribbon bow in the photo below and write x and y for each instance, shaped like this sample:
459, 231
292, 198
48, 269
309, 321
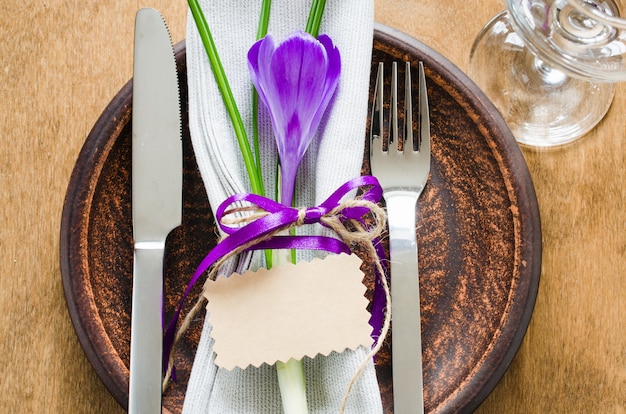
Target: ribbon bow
260, 232
277, 216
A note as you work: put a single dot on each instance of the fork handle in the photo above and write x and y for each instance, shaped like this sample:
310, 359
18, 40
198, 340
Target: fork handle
408, 396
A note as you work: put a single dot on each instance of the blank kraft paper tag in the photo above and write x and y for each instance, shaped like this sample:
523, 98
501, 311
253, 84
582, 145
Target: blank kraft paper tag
288, 312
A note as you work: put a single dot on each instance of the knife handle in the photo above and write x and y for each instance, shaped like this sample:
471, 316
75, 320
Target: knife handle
406, 352
146, 342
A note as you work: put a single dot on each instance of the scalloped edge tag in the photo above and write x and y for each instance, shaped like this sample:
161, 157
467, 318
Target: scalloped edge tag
293, 311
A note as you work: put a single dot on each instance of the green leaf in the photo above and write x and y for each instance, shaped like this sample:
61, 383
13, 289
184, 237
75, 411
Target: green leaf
252, 168
315, 17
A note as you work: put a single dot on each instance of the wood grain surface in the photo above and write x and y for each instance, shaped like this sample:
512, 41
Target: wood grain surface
63, 61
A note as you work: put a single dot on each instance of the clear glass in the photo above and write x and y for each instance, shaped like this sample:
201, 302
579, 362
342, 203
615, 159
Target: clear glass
550, 66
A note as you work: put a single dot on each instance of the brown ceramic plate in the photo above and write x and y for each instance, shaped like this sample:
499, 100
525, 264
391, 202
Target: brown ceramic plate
479, 238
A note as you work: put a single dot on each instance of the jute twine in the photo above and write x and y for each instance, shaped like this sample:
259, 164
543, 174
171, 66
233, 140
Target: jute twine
355, 233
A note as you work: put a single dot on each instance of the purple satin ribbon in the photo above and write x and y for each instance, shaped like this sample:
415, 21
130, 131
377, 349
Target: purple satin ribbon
279, 217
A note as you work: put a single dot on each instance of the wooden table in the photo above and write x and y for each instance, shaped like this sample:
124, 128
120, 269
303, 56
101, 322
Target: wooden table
63, 60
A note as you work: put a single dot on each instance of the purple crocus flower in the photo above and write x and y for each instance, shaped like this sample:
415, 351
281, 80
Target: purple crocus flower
295, 79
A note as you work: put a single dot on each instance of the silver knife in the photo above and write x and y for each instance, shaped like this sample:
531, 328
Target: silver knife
156, 199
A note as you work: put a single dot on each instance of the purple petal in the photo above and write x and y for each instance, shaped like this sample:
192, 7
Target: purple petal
259, 57
296, 80
332, 78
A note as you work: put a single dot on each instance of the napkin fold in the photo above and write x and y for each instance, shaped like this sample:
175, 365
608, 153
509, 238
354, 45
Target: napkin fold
335, 156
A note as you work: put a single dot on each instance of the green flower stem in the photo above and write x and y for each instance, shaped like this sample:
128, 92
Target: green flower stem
255, 127
254, 170
291, 379
291, 383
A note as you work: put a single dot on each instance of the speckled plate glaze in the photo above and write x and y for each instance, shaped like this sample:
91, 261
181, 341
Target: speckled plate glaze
479, 238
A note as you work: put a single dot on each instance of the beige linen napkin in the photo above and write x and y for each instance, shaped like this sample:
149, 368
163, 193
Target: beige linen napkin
334, 157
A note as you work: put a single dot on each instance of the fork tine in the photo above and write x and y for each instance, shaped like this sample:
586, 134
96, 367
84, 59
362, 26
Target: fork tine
377, 110
409, 144
393, 136
424, 135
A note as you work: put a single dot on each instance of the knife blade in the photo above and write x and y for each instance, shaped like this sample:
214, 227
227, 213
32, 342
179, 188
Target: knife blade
156, 199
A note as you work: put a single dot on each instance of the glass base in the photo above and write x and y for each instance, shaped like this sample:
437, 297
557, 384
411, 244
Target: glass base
543, 106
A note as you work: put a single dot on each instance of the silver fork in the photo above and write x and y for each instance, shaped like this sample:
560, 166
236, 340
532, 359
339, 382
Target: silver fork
403, 175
